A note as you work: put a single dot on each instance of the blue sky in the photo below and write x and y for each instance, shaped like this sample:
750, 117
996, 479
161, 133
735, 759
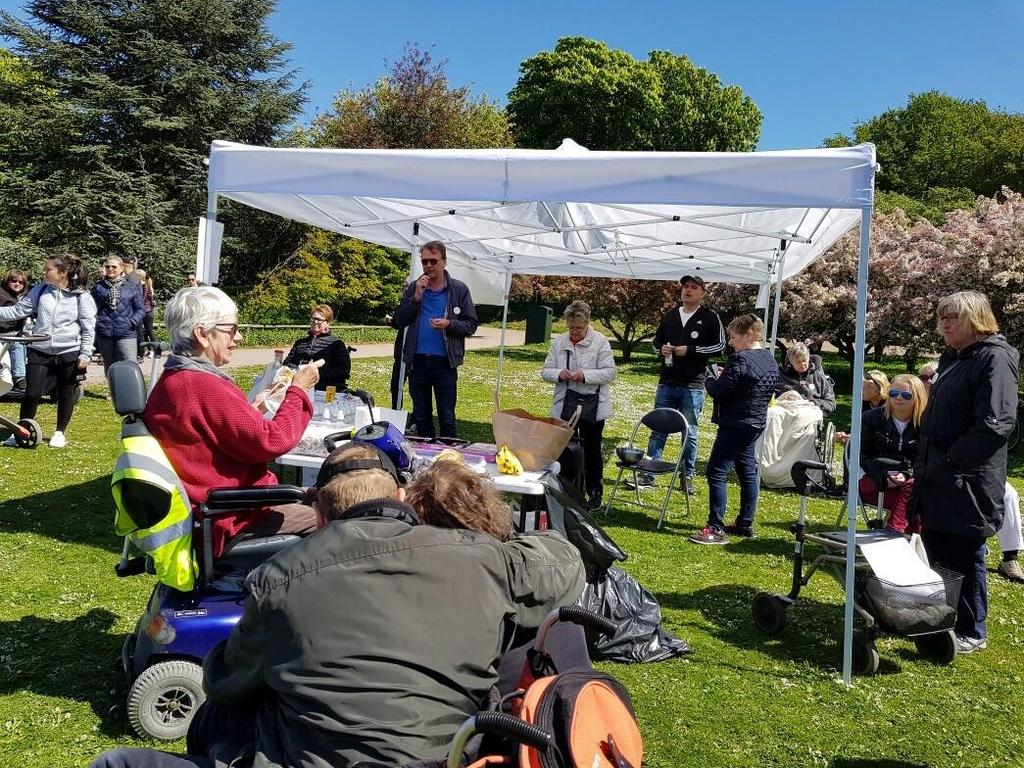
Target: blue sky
813, 68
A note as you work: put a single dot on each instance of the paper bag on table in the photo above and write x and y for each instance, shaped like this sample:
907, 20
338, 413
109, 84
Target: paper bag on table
536, 440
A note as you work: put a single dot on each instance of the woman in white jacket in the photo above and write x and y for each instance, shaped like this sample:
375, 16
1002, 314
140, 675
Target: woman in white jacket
581, 366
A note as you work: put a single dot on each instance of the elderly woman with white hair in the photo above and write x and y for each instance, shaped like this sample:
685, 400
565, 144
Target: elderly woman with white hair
213, 437
581, 366
803, 375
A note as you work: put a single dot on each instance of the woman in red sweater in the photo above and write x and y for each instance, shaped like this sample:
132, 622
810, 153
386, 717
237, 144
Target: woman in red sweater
212, 435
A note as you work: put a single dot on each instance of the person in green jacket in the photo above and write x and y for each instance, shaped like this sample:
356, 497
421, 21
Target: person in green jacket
374, 638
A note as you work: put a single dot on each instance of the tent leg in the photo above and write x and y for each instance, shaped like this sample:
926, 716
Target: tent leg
501, 342
778, 297
855, 423
412, 276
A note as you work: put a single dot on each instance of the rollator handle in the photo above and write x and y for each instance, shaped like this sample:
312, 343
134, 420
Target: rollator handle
799, 474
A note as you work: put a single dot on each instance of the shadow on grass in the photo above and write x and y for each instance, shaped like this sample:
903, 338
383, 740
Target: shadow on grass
868, 762
68, 514
68, 658
812, 635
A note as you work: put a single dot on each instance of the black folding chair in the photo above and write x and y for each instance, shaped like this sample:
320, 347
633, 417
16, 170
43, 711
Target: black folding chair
667, 420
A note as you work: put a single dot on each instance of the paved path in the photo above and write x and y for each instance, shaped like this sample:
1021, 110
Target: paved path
485, 338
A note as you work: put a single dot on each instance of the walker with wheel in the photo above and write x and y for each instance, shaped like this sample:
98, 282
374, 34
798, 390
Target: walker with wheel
924, 613
27, 432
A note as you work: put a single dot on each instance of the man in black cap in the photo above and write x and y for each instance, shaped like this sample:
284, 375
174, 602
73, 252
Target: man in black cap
687, 337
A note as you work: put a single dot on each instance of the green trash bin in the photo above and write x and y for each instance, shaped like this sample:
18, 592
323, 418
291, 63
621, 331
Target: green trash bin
538, 324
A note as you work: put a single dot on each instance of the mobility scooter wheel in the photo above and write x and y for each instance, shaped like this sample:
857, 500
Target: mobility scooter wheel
865, 656
164, 698
34, 436
769, 613
939, 648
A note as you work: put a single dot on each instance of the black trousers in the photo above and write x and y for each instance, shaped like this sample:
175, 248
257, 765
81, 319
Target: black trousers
216, 730
593, 460
63, 369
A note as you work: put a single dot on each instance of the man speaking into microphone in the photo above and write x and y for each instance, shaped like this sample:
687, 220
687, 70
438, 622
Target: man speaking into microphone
437, 314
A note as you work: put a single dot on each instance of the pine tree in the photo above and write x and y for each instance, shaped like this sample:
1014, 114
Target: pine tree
137, 91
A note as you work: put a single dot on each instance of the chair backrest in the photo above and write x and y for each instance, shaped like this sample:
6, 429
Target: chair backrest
667, 420
127, 388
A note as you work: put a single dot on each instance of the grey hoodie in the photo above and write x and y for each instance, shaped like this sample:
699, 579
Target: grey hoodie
69, 317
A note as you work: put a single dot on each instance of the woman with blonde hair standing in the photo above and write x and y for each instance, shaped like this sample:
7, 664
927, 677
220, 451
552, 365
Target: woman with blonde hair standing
961, 475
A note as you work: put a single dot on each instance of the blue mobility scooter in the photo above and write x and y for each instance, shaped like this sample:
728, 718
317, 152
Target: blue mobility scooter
162, 659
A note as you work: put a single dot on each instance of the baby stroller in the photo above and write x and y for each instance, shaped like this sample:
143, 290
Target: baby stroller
27, 432
923, 612
555, 710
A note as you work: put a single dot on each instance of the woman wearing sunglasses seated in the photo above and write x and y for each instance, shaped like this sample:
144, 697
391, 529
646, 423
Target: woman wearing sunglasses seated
321, 344
889, 441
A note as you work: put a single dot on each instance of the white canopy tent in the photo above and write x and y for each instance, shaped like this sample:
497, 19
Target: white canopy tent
730, 217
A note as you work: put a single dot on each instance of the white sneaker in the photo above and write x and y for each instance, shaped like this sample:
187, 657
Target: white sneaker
10, 442
58, 440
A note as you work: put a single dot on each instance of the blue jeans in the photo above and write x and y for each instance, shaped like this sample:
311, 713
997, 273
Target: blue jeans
18, 355
964, 555
733, 445
689, 403
433, 378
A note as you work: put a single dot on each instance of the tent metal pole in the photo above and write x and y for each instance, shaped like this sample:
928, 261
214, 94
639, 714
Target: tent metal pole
501, 343
855, 424
402, 331
778, 295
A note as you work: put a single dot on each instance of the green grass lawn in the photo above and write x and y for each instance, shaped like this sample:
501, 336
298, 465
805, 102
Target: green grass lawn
740, 700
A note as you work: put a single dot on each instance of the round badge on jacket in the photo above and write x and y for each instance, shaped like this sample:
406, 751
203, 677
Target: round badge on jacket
457, 310
694, 334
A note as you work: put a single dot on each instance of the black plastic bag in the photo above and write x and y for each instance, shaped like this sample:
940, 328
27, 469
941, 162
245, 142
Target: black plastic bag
610, 591
616, 595
566, 515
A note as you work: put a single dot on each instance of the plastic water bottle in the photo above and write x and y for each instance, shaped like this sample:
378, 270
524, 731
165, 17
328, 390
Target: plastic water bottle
668, 360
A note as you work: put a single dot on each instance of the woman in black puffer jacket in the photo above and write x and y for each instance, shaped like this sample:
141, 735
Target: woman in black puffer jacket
320, 344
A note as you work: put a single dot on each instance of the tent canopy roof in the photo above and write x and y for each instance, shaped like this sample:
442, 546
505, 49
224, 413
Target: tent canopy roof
569, 211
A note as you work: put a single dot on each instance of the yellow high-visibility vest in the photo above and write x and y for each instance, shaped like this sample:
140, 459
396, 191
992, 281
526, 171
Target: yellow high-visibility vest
152, 507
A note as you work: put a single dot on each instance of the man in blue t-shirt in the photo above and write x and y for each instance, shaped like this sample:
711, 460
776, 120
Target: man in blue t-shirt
437, 314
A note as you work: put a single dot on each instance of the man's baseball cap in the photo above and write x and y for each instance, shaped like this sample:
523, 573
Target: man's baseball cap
693, 279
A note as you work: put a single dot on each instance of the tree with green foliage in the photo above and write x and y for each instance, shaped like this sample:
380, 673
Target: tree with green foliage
413, 106
607, 100
938, 153
136, 91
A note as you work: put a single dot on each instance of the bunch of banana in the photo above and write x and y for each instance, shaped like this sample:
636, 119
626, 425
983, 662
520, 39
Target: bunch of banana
508, 463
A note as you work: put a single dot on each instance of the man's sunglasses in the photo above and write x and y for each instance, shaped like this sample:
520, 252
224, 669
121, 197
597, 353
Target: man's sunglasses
429, 262
898, 393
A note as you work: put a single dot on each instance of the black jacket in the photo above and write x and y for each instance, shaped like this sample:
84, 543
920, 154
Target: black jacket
7, 300
961, 470
461, 312
703, 337
880, 439
337, 363
812, 385
374, 638
743, 389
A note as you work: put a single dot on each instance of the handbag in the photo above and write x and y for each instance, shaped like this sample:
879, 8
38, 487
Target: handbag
587, 403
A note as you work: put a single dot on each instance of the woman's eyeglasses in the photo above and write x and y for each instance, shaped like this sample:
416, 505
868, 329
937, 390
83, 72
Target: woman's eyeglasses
317, 321
229, 328
899, 393
926, 377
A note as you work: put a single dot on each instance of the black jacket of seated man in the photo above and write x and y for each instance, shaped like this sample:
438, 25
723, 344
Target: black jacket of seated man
374, 638
329, 348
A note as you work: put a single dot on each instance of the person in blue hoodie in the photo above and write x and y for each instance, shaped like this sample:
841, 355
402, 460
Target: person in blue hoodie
64, 311
119, 313
741, 392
